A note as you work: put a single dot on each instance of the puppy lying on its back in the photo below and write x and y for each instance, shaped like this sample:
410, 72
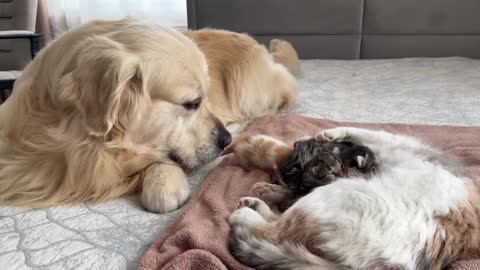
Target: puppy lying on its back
420, 211
309, 164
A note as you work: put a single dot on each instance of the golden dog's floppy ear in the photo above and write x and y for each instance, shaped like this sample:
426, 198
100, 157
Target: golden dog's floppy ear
106, 85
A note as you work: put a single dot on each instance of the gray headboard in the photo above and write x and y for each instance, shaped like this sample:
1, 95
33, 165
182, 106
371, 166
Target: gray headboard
351, 29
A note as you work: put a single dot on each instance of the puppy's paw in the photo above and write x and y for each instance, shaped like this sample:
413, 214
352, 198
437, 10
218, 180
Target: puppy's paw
269, 193
165, 188
326, 136
245, 216
257, 205
258, 151
339, 134
254, 204
249, 202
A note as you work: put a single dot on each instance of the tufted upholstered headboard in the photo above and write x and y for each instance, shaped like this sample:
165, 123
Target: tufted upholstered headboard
351, 29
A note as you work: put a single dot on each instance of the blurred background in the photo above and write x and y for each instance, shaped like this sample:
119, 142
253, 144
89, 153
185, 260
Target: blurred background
65, 14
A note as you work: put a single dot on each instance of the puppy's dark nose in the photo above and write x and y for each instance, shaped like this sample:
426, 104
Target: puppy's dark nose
224, 139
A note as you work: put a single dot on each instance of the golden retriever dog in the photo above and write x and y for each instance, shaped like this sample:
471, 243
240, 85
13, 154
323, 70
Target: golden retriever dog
117, 107
244, 82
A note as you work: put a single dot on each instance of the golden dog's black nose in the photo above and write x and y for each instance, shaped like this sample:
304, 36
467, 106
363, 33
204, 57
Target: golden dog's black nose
224, 138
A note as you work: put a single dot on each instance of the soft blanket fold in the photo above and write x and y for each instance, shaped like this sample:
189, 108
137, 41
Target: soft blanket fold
198, 237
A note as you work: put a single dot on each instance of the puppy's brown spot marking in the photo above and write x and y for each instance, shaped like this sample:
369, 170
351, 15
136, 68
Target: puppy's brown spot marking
300, 229
381, 264
458, 232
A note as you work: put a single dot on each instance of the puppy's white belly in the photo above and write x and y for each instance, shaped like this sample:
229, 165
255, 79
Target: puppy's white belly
370, 221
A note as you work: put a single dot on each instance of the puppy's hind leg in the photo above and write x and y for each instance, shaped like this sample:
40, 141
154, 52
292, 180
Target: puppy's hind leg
270, 245
252, 212
165, 188
270, 193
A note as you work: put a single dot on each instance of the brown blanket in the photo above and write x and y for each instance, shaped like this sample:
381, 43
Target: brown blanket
198, 237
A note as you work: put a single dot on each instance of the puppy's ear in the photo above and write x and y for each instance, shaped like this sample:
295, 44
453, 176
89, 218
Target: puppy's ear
105, 85
361, 161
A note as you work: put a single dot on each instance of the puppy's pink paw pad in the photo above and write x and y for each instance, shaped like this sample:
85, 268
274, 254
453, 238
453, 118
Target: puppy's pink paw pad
249, 202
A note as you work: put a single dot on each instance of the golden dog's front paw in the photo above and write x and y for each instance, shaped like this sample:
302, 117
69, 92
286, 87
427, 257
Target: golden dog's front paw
165, 188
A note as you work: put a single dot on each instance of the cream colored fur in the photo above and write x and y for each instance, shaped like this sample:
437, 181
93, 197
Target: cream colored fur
110, 98
246, 81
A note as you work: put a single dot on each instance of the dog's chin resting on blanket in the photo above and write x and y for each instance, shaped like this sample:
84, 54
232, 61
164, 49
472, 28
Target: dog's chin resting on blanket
418, 212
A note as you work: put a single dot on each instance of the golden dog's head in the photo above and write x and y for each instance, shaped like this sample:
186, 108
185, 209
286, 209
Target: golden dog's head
138, 85
100, 104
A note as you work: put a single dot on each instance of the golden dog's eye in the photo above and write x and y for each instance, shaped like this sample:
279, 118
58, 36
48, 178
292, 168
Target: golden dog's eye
192, 105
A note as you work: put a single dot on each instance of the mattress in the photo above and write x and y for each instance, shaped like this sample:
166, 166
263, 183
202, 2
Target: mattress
114, 235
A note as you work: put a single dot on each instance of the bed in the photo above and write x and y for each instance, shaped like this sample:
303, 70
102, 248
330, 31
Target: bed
114, 235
